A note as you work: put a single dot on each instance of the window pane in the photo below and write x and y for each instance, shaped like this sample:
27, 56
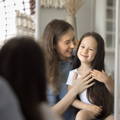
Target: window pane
8, 17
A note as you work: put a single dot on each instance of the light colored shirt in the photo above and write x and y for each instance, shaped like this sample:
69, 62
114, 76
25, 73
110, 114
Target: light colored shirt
9, 106
83, 95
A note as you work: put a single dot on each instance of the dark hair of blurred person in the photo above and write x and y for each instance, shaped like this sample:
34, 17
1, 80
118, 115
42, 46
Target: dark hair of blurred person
22, 65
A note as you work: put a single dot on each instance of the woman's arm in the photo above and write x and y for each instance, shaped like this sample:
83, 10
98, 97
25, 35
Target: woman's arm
78, 86
77, 103
104, 78
109, 83
65, 102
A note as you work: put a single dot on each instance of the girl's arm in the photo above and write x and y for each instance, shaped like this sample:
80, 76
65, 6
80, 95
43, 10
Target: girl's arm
104, 78
81, 105
79, 86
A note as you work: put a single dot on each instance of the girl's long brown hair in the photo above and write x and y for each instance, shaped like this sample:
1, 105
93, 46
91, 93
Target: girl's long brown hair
52, 33
98, 93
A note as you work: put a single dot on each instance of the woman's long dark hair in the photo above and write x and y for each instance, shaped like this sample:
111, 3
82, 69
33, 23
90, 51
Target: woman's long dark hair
98, 93
22, 65
52, 33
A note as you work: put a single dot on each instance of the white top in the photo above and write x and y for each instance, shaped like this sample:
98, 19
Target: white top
83, 95
9, 104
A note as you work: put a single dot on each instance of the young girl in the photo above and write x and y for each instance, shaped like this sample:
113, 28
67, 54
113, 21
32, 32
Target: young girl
96, 101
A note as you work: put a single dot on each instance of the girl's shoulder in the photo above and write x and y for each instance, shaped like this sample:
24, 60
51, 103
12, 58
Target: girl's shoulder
74, 71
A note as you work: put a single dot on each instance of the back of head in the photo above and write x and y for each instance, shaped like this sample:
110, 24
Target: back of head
22, 64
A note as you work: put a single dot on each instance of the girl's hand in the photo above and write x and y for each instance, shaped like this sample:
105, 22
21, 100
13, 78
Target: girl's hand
100, 76
96, 110
82, 83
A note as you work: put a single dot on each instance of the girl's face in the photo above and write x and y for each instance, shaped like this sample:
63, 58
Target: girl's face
65, 45
87, 50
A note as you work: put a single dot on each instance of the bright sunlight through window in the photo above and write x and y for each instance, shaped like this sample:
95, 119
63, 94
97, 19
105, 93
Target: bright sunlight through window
8, 17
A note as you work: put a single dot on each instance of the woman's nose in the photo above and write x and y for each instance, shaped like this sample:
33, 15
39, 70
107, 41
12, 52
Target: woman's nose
72, 45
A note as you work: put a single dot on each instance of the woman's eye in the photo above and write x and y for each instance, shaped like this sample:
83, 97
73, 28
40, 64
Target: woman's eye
82, 47
67, 43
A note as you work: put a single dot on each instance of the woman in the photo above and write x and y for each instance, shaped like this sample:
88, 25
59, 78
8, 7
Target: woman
58, 44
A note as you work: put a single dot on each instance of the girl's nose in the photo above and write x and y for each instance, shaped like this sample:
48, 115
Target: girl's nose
85, 51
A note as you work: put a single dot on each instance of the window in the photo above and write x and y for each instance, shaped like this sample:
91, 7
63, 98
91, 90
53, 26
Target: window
8, 17
110, 24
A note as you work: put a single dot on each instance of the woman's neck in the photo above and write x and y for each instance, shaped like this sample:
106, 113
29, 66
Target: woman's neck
64, 58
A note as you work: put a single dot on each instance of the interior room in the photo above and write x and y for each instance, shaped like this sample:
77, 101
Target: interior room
29, 17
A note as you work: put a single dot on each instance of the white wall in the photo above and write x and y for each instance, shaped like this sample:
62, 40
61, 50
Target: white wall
84, 17
100, 12
100, 27
89, 18
117, 62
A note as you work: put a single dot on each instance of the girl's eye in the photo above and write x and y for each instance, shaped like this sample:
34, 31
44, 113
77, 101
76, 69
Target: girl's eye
91, 49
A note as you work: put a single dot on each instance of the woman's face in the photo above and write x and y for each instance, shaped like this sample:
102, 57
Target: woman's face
87, 50
65, 45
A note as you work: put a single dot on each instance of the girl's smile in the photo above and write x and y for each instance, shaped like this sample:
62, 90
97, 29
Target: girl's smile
87, 50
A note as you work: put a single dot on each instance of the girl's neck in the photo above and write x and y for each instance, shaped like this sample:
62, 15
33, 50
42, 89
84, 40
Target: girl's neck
84, 68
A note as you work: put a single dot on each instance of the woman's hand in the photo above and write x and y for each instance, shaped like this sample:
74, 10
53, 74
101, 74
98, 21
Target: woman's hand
104, 78
82, 83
